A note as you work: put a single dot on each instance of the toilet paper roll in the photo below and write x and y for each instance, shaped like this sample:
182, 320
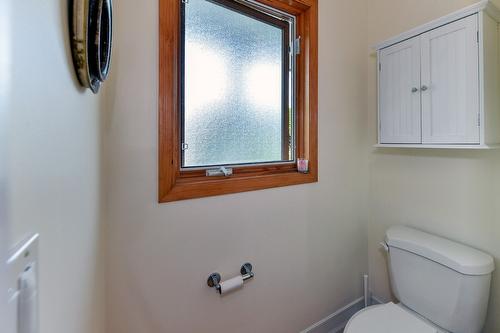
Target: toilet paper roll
231, 285
28, 299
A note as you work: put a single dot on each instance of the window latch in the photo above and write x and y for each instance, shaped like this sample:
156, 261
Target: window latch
220, 171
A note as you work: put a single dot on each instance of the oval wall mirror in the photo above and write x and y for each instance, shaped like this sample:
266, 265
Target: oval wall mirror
91, 41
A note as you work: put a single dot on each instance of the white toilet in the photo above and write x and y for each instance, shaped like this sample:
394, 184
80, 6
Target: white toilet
442, 286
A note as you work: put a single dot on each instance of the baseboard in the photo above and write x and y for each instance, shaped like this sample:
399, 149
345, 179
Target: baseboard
376, 300
336, 322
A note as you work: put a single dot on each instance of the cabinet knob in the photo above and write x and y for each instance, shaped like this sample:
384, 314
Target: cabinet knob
414, 90
424, 88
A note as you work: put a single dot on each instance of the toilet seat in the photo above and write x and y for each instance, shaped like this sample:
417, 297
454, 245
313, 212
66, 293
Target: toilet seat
388, 318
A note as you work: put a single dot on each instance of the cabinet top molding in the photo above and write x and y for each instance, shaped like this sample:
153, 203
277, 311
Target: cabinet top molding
483, 5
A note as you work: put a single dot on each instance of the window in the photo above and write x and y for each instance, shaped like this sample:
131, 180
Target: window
237, 95
237, 85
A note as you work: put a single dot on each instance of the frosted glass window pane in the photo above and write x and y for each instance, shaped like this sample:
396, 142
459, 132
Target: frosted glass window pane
234, 107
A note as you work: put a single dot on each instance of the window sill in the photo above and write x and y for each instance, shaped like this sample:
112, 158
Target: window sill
190, 187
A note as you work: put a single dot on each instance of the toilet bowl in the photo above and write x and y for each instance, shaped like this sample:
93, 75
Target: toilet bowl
389, 318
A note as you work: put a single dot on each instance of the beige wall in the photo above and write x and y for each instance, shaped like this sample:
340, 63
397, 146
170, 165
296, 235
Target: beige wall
50, 164
450, 193
307, 243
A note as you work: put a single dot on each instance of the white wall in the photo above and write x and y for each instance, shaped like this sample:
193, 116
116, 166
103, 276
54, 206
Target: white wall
307, 243
4, 65
450, 193
50, 167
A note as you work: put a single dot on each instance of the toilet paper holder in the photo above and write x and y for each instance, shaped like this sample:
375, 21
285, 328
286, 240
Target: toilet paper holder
214, 280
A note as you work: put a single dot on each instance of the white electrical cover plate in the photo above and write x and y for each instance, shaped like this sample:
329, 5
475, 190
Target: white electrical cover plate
22, 259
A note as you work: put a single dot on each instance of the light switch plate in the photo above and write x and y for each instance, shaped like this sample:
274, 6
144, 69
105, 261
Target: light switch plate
22, 257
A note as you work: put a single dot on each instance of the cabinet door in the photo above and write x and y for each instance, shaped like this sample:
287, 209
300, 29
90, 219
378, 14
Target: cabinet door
399, 93
450, 83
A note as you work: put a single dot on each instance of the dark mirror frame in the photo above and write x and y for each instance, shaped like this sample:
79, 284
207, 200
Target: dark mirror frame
91, 40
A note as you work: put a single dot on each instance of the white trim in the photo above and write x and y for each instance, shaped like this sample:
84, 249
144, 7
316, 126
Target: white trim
337, 320
485, 5
437, 146
481, 76
376, 300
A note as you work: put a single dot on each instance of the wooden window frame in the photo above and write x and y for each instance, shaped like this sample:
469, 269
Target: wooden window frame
175, 184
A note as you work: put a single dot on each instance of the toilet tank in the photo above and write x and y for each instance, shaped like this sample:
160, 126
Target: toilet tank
446, 282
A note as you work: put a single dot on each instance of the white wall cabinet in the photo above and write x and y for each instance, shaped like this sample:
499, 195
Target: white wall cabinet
400, 111
439, 83
450, 83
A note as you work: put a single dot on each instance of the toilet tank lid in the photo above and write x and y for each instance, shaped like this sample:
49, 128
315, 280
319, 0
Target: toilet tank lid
458, 257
